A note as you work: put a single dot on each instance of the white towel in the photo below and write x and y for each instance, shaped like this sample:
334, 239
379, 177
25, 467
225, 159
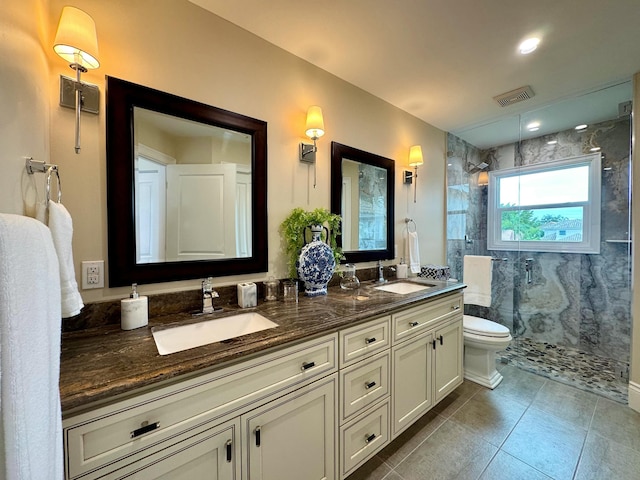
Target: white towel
413, 252
477, 276
61, 227
30, 323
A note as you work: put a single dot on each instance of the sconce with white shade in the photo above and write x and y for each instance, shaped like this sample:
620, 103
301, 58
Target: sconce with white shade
314, 130
76, 42
483, 178
415, 160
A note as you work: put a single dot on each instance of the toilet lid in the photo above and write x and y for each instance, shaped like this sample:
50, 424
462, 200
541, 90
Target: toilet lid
484, 327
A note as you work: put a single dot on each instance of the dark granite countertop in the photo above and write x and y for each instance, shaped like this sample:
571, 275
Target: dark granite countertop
100, 363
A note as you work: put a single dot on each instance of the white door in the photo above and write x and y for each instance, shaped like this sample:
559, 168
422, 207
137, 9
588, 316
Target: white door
197, 229
293, 438
243, 212
150, 179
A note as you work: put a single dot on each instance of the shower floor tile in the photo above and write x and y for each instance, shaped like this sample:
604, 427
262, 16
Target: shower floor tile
603, 376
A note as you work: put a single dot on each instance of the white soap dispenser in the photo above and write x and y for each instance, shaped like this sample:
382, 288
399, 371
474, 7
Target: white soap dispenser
134, 311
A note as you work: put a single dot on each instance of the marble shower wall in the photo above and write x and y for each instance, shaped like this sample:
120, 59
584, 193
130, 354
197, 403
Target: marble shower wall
577, 300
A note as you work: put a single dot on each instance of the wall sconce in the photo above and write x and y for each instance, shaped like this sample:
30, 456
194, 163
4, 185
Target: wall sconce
415, 159
76, 42
314, 130
483, 179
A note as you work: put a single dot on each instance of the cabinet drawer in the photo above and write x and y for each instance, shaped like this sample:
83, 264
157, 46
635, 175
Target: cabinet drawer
118, 432
363, 384
362, 340
413, 321
216, 449
363, 438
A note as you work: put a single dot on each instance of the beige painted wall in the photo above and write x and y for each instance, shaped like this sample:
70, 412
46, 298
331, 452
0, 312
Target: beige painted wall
24, 101
177, 47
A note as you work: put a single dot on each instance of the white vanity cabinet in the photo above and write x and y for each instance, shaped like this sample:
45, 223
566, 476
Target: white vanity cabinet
427, 358
448, 371
365, 367
293, 437
167, 426
316, 410
213, 454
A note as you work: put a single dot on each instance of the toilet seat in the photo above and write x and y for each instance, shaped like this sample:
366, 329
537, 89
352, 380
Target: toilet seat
484, 328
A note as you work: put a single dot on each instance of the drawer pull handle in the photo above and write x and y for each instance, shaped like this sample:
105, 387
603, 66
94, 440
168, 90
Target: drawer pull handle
455, 307
369, 340
441, 339
369, 438
228, 445
307, 366
369, 385
145, 428
257, 432
434, 344
413, 324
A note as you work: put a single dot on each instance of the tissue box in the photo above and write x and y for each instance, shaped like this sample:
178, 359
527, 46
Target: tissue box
435, 272
247, 295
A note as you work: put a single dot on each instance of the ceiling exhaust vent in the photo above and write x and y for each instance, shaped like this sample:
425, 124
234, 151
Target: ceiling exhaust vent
514, 96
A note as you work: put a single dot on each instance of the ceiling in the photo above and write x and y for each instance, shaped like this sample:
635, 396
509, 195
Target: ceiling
443, 61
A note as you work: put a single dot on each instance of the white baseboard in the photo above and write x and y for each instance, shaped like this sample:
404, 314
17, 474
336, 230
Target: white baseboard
634, 396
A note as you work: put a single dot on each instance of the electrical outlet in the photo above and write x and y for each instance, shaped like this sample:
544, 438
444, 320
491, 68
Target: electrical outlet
93, 274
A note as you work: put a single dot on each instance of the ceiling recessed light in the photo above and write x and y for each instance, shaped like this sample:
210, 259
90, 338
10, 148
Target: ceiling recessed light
533, 126
581, 127
529, 45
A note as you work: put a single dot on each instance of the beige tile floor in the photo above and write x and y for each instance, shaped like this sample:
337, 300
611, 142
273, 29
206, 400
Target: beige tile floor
529, 427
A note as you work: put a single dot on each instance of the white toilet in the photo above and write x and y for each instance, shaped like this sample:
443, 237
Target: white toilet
482, 339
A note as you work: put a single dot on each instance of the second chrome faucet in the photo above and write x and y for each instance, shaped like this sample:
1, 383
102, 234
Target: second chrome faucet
208, 294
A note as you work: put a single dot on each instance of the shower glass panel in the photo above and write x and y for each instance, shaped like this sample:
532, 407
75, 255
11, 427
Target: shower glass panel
569, 311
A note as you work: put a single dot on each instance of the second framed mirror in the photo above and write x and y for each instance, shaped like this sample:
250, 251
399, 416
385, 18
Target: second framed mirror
362, 193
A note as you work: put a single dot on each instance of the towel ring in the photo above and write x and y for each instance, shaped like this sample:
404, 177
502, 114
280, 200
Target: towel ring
409, 222
34, 166
53, 169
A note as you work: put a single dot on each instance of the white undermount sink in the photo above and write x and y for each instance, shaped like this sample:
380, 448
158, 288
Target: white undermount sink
403, 287
176, 339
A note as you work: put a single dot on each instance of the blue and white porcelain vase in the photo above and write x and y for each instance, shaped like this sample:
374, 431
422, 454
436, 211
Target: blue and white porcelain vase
316, 263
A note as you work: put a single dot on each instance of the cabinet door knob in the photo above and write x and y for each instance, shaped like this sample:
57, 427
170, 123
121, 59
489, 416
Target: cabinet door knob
228, 446
414, 324
369, 340
306, 366
145, 428
455, 307
369, 438
369, 385
257, 432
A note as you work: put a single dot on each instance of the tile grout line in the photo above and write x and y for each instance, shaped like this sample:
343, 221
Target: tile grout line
584, 443
445, 419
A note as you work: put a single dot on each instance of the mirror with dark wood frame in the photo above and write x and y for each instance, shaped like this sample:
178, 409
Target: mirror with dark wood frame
362, 193
205, 212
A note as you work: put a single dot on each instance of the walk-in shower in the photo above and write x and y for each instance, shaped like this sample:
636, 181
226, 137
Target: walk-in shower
564, 287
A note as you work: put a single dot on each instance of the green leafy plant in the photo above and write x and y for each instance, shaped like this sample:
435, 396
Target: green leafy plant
293, 233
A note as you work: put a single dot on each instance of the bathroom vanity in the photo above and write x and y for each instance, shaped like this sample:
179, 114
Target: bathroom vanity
314, 398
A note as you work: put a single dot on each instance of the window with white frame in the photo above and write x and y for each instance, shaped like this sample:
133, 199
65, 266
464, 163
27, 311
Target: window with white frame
547, 207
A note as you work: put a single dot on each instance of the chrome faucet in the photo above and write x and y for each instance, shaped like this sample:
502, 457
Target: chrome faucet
208, 294
380, 273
